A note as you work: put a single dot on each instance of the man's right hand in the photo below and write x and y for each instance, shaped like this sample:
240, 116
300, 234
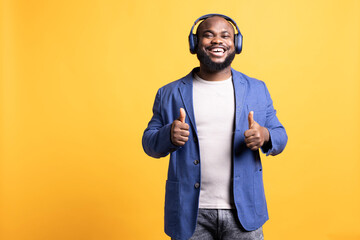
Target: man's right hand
180, 130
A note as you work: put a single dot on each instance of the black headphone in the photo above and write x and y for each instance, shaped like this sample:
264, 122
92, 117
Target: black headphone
193, 41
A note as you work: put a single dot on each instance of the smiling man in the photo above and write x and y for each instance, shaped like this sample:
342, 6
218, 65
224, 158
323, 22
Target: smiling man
213, 122
216, 50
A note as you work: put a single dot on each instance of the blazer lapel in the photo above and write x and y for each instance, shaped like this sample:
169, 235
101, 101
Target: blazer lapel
186, 93
239, 89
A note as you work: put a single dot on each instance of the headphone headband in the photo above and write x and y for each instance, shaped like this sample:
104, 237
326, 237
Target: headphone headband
213, 15
193, 38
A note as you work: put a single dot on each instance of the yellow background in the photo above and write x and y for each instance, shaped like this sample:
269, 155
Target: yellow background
78, 80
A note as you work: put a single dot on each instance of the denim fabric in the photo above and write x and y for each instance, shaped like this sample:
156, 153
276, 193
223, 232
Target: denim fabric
222, 224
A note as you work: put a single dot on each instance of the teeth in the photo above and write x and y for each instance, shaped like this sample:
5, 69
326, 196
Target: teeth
217, 50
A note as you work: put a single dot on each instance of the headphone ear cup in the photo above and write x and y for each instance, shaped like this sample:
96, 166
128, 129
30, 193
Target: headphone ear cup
236, 40
195, 43
238, 43
192, 43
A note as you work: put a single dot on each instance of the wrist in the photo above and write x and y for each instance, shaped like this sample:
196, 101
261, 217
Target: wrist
266, 134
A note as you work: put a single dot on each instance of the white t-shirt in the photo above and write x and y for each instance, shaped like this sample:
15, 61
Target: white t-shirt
214, 109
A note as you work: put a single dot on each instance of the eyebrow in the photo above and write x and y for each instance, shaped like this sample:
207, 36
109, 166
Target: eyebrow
210, 31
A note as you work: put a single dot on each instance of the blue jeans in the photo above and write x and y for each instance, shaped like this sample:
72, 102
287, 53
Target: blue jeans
222, 224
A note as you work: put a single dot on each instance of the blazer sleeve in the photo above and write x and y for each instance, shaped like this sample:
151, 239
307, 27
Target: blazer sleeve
156, 139
278, 136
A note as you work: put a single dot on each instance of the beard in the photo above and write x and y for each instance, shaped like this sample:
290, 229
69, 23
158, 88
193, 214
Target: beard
213, 66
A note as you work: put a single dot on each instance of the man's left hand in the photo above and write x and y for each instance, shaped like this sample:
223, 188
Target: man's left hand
256, 136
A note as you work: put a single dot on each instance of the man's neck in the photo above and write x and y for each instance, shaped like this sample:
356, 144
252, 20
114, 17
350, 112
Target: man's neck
214, 75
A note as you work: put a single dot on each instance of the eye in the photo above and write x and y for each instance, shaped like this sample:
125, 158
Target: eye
226, 36
207, 35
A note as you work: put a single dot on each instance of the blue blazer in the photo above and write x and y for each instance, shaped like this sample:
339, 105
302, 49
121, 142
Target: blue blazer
182, 196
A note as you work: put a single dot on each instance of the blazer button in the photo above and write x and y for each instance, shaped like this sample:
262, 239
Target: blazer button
197, 185
196, 162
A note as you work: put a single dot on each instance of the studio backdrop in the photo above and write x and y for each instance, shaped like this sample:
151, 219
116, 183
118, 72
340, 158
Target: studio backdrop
78, 81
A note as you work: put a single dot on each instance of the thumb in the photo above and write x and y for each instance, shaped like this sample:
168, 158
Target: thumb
182, 115
251, 119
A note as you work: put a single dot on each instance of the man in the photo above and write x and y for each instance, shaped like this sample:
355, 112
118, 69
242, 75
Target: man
213, 123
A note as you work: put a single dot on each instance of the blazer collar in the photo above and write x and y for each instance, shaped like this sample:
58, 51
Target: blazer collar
237, 76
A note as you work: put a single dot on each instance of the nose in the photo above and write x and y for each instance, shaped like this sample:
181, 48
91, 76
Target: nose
216, 40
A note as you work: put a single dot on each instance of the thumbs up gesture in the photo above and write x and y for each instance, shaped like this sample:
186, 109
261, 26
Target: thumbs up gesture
180, 130
256, 136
